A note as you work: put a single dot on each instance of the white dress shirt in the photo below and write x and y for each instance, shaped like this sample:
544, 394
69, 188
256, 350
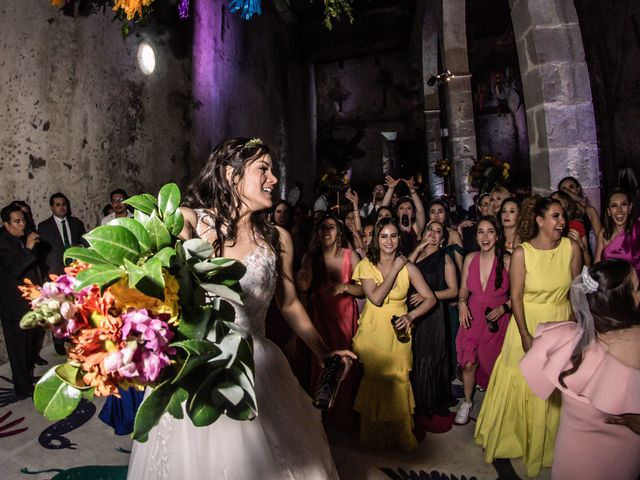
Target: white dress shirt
66, 224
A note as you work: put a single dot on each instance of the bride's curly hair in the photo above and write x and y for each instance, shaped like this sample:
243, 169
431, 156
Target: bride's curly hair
219, 196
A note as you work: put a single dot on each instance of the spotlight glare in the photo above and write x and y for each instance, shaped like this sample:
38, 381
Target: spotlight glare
146, 58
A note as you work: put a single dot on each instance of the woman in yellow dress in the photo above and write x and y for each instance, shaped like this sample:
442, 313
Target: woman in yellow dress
513, 422
385, 399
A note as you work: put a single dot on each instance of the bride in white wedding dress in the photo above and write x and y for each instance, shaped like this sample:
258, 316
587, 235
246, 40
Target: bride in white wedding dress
286, 440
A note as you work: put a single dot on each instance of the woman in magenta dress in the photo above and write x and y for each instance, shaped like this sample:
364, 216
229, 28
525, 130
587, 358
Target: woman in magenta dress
620, 237
326, 276
595, 363
484, 311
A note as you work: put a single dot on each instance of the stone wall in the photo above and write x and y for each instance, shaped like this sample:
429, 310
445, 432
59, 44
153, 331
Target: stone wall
78, 115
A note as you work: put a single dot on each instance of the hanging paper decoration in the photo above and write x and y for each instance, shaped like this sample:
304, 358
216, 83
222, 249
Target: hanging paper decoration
183, 9
247, 8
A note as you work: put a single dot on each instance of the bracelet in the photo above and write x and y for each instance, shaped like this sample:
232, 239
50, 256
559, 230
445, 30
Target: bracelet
507, 308
412, 192
462, 300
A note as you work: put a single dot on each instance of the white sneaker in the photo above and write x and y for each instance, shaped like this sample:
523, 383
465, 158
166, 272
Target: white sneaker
462, 417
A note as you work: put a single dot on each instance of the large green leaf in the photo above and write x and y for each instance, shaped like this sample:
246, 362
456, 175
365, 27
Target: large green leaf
231, 392
87, 255
195, 321
199, 408
72, 375
197, 347
165, 255
196, 247
168, 199
222, 291
239, 377
151, 409
144, 203
158, 233
198, 352
138, 230
180, 395
114, 243
174, 223
152, 284
134, 272
141, 217
101, 275
54, 398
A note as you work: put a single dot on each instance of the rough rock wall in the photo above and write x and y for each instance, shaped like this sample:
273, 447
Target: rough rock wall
77, 114
250, 80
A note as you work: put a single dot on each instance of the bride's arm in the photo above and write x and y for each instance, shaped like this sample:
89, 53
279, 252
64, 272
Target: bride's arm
189, 223
292, 308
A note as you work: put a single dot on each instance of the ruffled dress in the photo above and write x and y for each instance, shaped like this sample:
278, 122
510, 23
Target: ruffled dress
586, 447
384, 399
513, 421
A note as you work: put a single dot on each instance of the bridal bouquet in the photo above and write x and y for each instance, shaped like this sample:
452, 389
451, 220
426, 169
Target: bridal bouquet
140, 308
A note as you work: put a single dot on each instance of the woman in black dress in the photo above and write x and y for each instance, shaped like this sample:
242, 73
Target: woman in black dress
431, 350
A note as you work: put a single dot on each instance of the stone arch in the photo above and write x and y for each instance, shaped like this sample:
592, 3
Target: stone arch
557, 91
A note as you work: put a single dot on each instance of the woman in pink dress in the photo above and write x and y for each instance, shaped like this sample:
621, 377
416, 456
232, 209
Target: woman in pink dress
484, 306
326, 276
620, 235
595, 363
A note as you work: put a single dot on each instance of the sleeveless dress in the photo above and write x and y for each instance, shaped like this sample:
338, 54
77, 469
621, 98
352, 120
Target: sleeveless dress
430, 346
452, 314
586, 447
625, 246
336, 319
513, 421
384, 400
477, 344
285, 441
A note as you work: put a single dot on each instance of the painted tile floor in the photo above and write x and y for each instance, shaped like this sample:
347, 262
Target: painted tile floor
36, 449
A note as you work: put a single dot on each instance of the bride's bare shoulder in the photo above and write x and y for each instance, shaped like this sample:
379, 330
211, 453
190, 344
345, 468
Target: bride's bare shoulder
190, 222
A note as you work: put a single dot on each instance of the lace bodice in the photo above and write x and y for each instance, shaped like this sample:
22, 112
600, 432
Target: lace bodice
259, 281
258, 286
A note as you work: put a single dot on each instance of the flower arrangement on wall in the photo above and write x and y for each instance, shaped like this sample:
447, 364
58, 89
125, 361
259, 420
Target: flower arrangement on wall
489, 171
442, 168
137, 10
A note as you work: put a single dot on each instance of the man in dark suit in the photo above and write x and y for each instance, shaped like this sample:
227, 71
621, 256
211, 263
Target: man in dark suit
17, 262
59, 232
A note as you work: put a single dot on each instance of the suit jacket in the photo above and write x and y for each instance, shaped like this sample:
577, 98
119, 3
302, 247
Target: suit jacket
53, 243
18, 261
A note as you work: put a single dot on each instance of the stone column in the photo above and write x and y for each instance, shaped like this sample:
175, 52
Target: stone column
429, 54
560, 118
462, 130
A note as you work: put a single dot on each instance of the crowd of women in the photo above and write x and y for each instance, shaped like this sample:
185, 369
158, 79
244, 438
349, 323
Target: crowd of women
480, 300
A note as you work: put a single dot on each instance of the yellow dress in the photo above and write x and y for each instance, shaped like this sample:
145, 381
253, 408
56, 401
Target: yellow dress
513, 421
384, 399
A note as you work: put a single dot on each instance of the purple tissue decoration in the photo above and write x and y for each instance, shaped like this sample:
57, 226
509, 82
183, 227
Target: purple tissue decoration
247, 8
183, 9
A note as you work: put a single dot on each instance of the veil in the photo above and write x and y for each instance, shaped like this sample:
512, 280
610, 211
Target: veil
582, 285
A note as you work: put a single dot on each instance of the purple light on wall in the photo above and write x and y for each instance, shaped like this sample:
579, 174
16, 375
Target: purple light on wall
183, 9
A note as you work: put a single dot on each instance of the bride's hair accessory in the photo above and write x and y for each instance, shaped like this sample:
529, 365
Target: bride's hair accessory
253, 143
590, 285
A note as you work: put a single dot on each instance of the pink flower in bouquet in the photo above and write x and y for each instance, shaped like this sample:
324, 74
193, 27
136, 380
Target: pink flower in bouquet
69, 324
150, 355
60, 286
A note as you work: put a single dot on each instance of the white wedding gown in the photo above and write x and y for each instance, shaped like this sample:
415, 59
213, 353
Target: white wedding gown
285, 441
